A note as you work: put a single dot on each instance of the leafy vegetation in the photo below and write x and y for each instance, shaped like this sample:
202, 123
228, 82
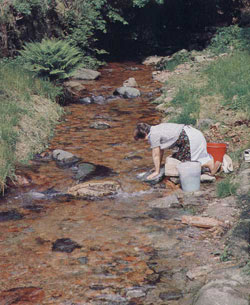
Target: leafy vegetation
51, 59
230, 38
175, 60
18, 92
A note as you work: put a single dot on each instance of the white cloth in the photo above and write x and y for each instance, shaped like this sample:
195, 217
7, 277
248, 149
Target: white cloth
198, 145
164, 134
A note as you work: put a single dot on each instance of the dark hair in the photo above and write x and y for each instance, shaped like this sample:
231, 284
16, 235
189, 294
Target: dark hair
141, 131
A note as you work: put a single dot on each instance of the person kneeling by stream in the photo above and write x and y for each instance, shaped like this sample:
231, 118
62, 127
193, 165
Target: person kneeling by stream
190, 143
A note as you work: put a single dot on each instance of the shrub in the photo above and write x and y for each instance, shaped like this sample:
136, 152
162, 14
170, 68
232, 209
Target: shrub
51, 59
176, 59
230, 37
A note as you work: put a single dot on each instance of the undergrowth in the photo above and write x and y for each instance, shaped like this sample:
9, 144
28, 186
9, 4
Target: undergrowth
226, 188
17, 91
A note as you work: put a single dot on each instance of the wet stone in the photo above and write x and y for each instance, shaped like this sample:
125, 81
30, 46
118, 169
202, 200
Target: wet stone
83, 260
160, 213
170, 296
34, 208
10, 215
129, 158
99, 125
87, 171
22, 295
65, 245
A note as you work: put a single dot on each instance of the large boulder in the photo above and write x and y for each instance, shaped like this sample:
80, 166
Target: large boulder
221, 292
96, 189
86, 74
127, 92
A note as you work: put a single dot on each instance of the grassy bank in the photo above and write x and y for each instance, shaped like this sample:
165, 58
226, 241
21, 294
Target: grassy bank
28, 112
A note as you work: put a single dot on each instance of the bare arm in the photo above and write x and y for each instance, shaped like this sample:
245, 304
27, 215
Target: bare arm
157, 155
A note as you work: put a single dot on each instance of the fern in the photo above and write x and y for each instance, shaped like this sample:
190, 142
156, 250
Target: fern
51, 59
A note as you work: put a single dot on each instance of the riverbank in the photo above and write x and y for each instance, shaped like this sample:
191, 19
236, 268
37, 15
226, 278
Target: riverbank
28, 115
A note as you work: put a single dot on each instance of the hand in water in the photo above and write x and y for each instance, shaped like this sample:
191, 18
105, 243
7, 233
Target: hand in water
152, 176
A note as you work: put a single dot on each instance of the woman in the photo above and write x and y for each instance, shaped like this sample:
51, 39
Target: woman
189, 141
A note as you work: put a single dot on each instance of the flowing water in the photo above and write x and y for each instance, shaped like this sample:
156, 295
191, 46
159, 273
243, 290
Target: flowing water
123, 246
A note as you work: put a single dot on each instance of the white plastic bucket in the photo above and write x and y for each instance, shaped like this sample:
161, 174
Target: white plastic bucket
190, 176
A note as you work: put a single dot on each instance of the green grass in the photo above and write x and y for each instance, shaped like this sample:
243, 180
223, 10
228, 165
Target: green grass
17, 91
226, 188
230, 77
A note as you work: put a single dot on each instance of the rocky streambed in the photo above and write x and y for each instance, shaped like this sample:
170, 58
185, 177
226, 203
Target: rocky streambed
131, 243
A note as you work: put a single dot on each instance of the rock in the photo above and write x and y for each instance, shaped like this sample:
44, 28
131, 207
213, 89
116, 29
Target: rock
207, 178
65, 245
135, 293
10, 215
64, 158
86, 74
200, 58
95, 189
170, 201
221, 292
152, 60
171, 295
161, 76
205, 270
85, 100
131, 82
201, 222
22, 295
82, 260
84, 170
99, 99
171, 167
74, 87
143, 176
99, 125
127, 92
243, 181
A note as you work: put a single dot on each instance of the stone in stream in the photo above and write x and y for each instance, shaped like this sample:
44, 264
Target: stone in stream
171, 295
64, 158
10, 215
127, 92
86, 171
22, 295
143, 176
86, 74
95, 189
99, 125
65, 245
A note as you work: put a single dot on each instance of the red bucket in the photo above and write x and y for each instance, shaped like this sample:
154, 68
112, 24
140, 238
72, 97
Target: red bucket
217, 150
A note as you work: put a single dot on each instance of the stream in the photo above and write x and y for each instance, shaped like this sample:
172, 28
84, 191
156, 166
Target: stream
124, 250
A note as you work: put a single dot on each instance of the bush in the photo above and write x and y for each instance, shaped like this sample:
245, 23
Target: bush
177, 59
51, 59
230, 37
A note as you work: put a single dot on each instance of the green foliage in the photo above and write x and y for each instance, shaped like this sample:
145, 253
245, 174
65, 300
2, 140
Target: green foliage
17, 88
51, 59
175, 60
187, 98
226, 188
231, 37
230, 78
